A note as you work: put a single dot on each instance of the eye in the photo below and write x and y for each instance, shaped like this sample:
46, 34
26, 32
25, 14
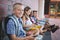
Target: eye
22, 10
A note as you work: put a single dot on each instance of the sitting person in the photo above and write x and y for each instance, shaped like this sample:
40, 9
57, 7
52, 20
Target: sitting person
26, 19
15, 29
28, 24
36, 20
45, 22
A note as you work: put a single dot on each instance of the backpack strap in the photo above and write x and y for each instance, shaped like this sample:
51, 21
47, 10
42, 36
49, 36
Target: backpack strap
5, 36
16, 24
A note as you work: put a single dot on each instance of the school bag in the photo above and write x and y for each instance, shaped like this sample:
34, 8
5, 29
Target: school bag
4, 26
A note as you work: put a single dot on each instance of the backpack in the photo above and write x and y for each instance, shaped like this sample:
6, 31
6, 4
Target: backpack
4, 26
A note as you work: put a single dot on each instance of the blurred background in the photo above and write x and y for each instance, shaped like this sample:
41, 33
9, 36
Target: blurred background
45, 8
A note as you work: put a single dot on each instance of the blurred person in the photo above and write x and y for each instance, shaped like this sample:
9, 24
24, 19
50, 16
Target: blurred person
28, 23
36, 20
15, 29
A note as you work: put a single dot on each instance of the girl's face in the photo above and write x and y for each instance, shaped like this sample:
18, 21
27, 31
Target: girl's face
28, 12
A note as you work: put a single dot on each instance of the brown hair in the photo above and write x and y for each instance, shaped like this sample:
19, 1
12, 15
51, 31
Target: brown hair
31, 14
26, 9
34, 11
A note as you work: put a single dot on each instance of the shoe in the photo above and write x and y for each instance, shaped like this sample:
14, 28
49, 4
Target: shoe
54, 28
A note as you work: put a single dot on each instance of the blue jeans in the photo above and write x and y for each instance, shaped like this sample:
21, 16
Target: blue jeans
39, 37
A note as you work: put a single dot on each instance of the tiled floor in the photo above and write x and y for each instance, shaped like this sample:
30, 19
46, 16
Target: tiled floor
50, 35
56, 35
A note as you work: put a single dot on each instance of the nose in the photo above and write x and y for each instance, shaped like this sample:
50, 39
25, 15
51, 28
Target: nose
21, 12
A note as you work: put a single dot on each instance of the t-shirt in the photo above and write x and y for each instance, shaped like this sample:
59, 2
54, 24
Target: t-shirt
11, 29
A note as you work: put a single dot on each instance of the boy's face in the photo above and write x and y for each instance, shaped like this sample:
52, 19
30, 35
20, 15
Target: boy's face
35, 14
19, 11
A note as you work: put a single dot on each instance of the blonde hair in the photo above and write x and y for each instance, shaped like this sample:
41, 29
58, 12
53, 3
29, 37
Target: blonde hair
16, 5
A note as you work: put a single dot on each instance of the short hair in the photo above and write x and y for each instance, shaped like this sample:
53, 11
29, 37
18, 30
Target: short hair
34, 11
15, 5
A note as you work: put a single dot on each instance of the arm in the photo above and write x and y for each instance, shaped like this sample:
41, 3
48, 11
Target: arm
13, 37
37, 17
24, 20
28, 26
24, 23
11, 32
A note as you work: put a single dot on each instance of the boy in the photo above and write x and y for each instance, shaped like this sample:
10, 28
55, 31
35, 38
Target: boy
19, 33
36, 20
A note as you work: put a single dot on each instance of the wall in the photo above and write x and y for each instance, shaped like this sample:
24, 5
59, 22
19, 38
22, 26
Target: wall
55, 0
6, 5
32, 3
41, 8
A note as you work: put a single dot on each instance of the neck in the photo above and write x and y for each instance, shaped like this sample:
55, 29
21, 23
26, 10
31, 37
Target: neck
17, 16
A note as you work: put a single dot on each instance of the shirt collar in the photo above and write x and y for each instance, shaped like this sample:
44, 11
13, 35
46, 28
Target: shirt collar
16, 17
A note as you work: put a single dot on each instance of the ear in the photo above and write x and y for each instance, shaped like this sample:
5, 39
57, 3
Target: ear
13, 11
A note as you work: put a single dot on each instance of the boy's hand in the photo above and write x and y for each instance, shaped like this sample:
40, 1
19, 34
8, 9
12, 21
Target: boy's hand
33, 32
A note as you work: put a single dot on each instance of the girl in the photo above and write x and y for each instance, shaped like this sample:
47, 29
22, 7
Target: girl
26, 20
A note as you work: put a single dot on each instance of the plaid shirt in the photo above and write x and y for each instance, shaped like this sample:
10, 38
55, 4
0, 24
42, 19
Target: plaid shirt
11, 29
